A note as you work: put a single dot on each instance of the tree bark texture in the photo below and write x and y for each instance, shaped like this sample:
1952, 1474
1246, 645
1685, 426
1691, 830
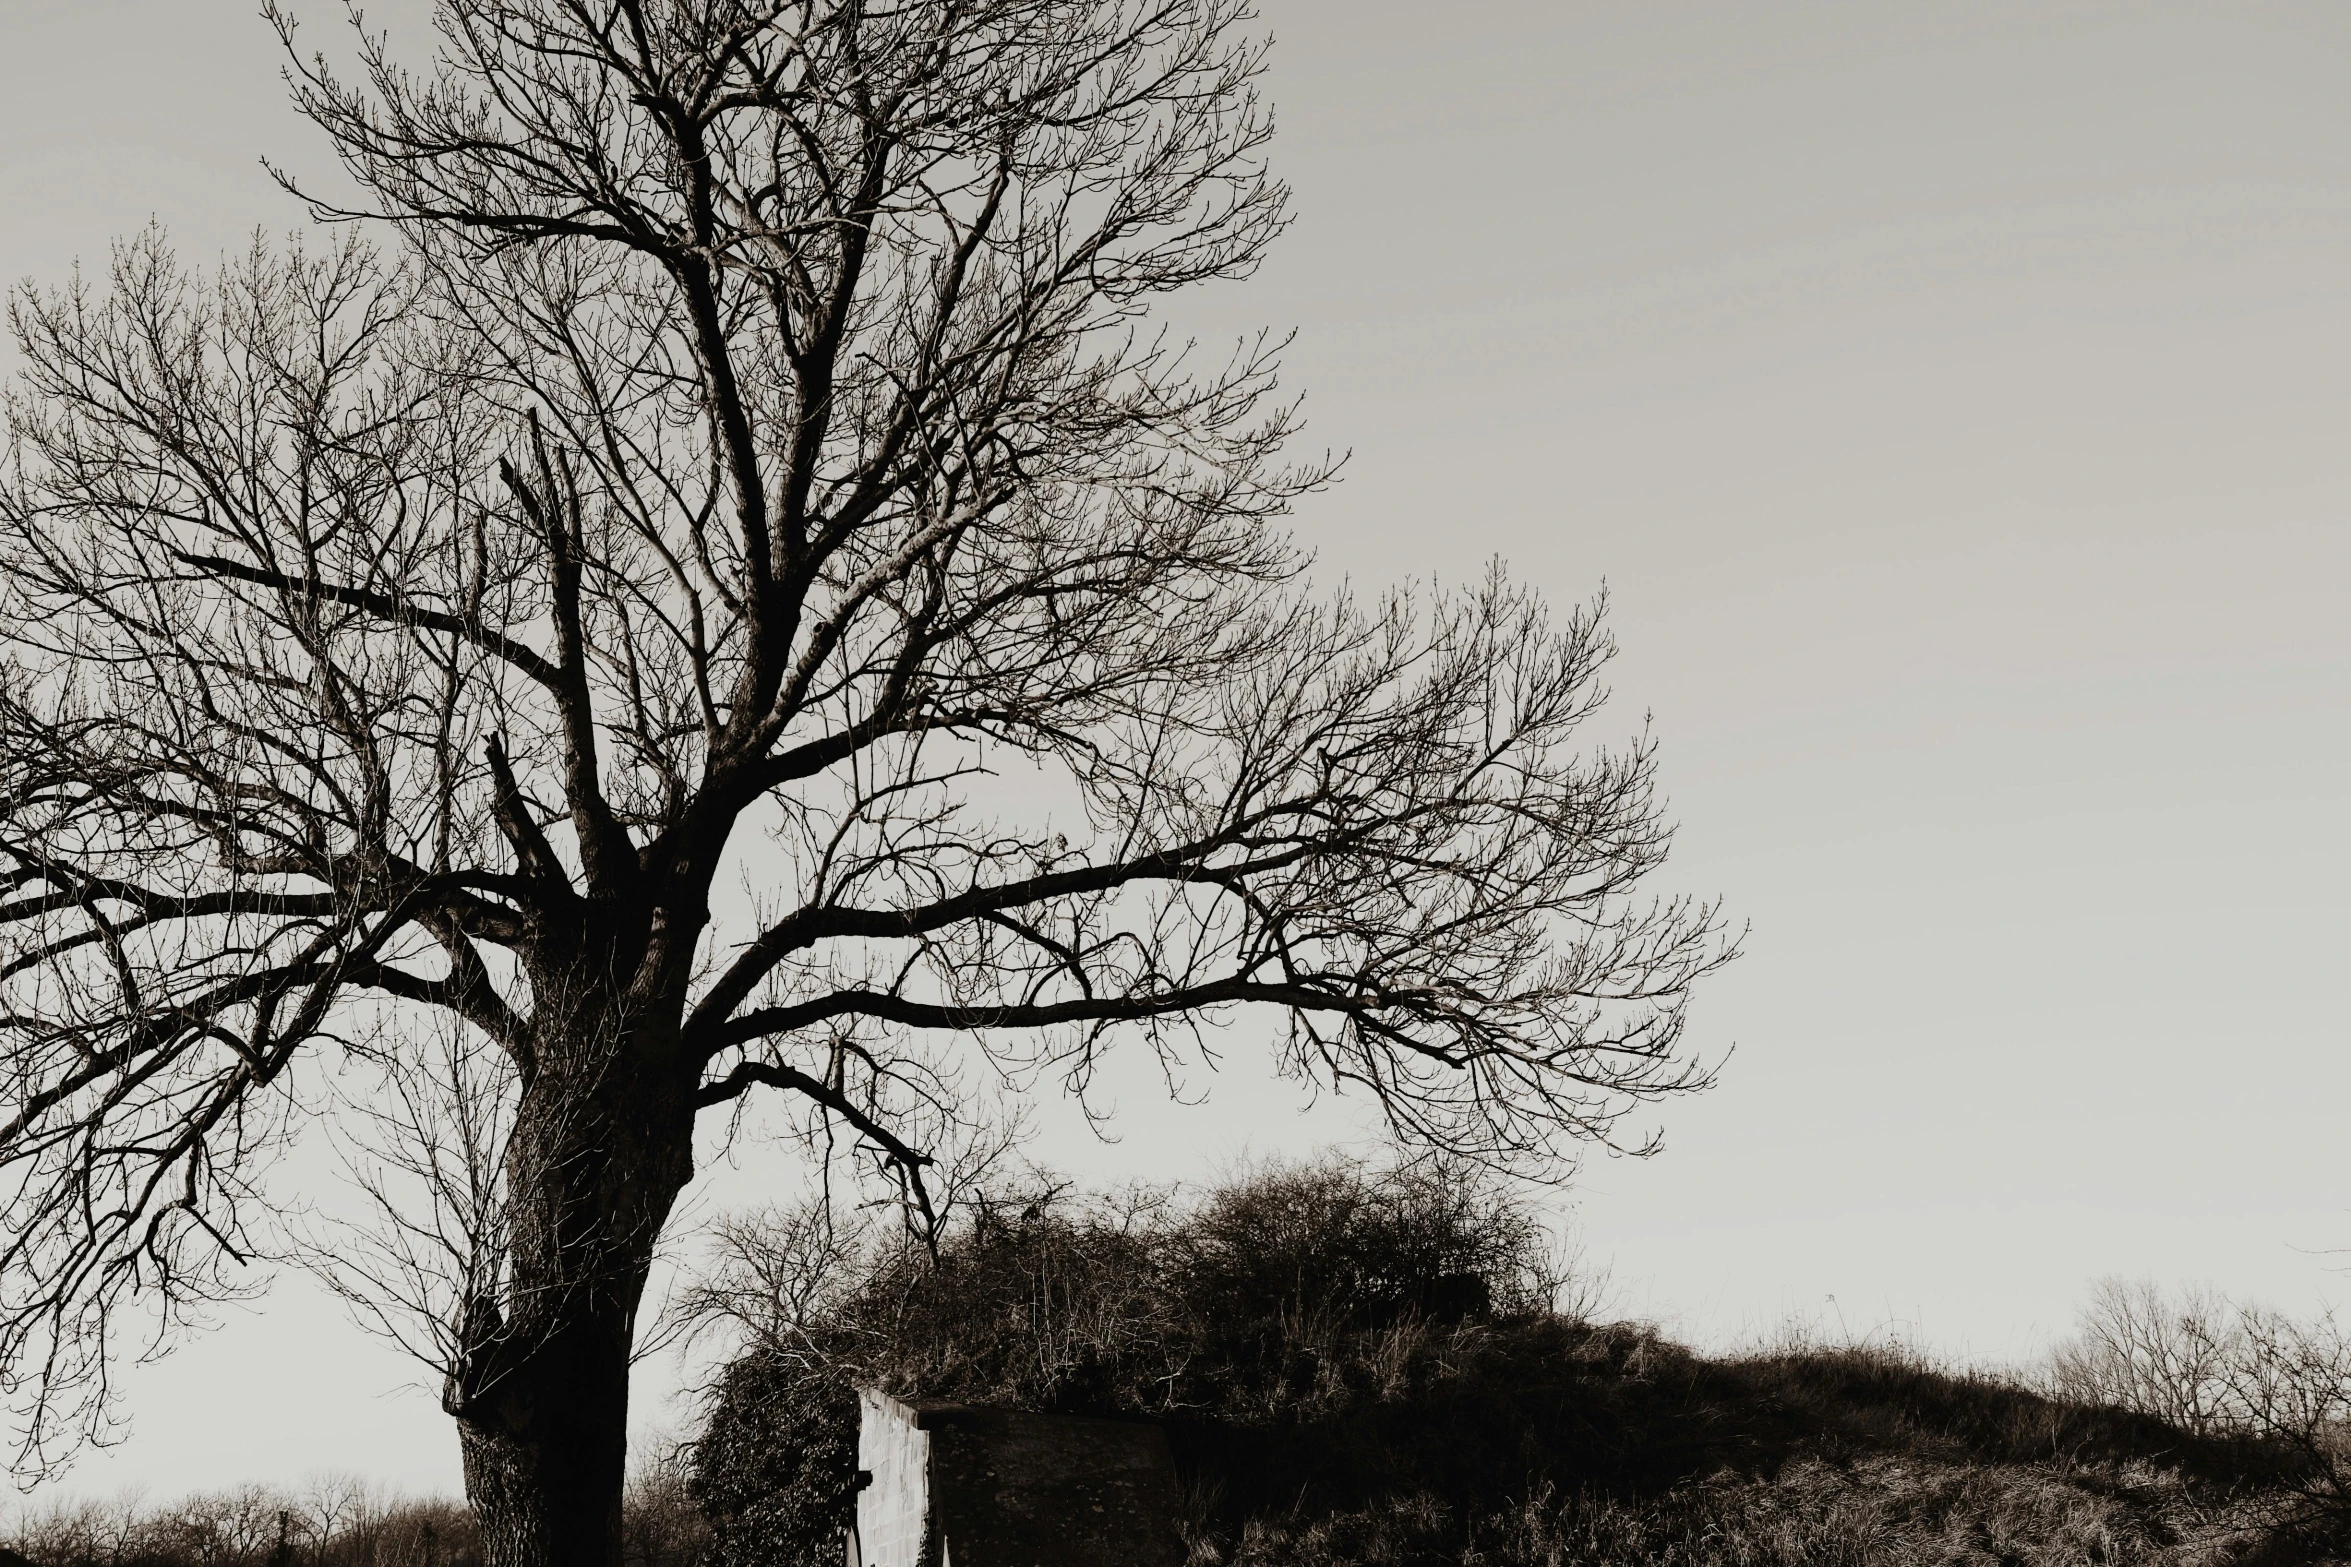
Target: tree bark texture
545, 1462
601, 1149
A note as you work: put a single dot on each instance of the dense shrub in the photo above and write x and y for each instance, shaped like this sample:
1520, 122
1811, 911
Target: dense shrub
1292, 1327
773, 1470
1360, 1366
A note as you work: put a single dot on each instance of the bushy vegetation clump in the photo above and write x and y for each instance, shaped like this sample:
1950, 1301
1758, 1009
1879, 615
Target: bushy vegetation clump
1293, 1300
1360, 1366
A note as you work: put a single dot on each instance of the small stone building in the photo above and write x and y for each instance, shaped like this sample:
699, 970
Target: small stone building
951, 1485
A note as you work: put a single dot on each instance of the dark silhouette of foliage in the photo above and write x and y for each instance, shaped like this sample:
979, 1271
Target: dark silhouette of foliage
1364, 1366
1275, 1304
774, 1471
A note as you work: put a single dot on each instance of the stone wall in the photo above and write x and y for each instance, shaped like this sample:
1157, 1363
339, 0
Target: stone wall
958, 1486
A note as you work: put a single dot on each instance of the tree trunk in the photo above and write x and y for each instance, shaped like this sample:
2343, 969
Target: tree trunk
544, 1471
602, 1145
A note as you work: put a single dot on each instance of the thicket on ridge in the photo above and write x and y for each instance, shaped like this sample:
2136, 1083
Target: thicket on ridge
1364, 1366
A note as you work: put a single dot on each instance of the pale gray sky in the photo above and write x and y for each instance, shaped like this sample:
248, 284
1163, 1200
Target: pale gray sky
1953, 398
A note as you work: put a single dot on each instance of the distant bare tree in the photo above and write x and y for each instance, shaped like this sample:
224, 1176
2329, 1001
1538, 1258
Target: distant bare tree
2226, 1368
663, 1528
2140, 1346
2288, 1382
561, 667
87, 1532
255, 1525
338, 1507
236, 1525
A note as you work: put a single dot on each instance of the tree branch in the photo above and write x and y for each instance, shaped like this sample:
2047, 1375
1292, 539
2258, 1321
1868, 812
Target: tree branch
387, 606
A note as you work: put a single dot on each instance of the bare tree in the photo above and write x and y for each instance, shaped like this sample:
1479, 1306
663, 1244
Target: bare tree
2140, 1347
338, 1507
2288, 1383
593, 626
2233, 1369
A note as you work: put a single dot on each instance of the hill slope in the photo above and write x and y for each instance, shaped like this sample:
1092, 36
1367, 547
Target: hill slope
1370, 1367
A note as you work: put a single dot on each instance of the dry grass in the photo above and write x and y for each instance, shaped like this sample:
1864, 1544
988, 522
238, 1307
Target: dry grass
1884, 1512
1819, 1457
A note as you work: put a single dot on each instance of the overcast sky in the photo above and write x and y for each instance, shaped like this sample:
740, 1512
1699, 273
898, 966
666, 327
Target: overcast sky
1954, 400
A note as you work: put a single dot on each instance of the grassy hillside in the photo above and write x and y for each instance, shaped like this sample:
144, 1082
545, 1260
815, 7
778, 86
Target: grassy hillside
1828, 1456
1363, 1367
